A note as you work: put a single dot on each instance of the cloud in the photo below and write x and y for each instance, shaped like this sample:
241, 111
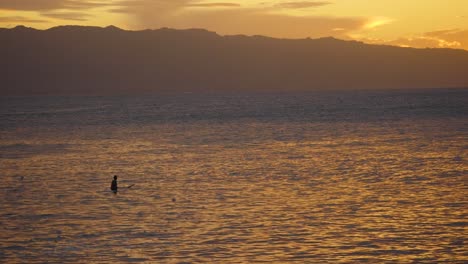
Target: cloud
30, 5
149, 8
40, 5
377, 22
68, 10
452, 38
20, 20
237, 19
252, 22
224, 17
213, 5
304, 4
75, 16
450, 35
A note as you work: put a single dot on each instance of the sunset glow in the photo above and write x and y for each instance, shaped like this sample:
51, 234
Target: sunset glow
416, 23
233, 131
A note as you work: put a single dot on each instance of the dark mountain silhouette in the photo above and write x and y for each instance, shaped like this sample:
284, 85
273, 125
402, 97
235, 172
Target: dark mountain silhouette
93, 60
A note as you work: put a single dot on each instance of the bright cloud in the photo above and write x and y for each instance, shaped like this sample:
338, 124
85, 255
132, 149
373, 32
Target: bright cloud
377, 22
453, 38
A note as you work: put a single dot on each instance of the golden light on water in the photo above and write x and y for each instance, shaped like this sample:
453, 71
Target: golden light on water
364, 192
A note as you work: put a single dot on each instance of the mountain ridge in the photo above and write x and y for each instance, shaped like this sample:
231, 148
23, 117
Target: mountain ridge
110, 60
117, 29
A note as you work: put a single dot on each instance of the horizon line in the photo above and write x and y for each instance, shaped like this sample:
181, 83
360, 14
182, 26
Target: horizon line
229, 35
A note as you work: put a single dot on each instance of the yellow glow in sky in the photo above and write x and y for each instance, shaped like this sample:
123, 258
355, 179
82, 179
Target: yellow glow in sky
415, 23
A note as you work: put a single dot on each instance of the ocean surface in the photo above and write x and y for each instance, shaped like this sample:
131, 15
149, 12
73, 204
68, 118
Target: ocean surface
331, 177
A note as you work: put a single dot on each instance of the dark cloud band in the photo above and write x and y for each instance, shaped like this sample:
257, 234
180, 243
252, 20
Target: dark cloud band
303, 4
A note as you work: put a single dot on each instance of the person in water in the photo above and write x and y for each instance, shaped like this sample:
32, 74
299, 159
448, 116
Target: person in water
114, 184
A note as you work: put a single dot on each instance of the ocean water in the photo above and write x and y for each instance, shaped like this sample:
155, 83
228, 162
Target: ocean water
337, 177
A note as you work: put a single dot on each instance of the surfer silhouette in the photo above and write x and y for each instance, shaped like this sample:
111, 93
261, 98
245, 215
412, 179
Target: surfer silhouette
114, 184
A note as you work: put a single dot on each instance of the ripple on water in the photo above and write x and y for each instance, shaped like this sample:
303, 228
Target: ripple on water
250, 188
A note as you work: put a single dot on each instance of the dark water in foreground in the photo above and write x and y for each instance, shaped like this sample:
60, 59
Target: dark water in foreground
356, 177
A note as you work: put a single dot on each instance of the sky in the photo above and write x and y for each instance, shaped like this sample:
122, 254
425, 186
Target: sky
412, 23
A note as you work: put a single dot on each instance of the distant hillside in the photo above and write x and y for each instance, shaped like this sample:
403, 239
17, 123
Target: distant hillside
93, 60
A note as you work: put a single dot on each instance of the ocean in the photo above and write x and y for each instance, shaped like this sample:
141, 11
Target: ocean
319, 177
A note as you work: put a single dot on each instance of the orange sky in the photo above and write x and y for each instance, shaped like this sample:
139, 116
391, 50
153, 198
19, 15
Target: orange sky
415, 23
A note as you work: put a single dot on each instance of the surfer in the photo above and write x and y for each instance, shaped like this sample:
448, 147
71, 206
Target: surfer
114, 184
